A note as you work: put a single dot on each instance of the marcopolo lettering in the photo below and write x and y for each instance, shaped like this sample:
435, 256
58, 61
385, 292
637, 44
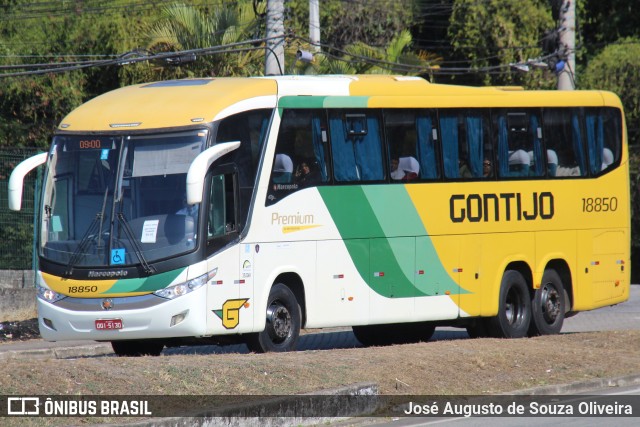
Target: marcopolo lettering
501, 207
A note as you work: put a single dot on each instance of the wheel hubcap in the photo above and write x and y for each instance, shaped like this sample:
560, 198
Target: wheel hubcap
279, 321
550, 303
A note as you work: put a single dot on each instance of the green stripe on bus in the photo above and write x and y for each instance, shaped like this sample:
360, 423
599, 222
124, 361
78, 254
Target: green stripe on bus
301, 102
385, 238
346, 102
147, 284
323, 102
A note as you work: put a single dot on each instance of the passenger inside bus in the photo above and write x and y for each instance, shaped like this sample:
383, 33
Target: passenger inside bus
519, 163
282, 169
307, 174
465, 170
405, 168
607, 158
552, 162
487, 168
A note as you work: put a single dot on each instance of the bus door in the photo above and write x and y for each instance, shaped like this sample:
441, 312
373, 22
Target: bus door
230, 285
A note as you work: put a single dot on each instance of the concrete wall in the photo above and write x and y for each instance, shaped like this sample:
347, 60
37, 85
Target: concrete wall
17, 295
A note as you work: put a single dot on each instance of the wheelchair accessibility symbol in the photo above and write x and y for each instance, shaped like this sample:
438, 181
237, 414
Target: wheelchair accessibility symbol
117, 256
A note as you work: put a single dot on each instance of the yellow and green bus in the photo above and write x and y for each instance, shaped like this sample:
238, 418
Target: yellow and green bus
245, 209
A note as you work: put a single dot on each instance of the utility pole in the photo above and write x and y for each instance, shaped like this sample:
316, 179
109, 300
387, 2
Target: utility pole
567, 49
314, 24
274, 54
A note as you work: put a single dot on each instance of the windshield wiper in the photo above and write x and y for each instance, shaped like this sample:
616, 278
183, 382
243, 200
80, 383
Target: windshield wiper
97, 222
137, 249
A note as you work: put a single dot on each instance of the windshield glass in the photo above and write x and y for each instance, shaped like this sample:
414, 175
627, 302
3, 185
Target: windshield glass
119, 200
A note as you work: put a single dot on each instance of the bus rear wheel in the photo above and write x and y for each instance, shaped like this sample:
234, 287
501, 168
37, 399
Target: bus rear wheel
137, 348
514, 307
548, 305
282, 328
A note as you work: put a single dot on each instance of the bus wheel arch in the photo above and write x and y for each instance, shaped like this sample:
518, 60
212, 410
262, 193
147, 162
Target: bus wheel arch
284, 318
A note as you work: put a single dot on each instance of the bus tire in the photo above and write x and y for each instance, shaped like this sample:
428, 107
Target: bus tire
548, 305
137, 348
514, 307
282, 327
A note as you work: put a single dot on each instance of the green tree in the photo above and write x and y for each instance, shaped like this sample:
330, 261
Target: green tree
494, 33
344, 23
617, 68
185, 27
604, 22
360, 58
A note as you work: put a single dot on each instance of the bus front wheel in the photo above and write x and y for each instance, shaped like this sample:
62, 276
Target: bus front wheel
514, 307
282, 328
137, 348
548, 305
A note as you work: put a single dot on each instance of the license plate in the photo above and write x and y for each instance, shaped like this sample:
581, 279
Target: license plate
108, 324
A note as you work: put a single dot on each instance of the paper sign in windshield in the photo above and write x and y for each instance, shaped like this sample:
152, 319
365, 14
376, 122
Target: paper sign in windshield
149, 231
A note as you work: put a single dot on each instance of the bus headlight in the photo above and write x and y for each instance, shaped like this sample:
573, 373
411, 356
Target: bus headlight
182, 288
48, 295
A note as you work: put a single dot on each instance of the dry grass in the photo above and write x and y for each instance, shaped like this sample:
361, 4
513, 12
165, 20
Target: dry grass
466, 366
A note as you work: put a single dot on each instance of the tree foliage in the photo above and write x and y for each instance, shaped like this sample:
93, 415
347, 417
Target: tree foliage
617, 68
360, 58
493, 34
344, 23
185, 27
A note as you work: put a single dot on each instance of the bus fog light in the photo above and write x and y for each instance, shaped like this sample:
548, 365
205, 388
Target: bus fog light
178, 318
48, 323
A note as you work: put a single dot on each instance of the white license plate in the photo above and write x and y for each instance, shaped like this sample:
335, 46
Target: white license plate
108, 324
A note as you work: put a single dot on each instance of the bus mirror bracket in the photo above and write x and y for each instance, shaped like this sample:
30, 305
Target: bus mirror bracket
16, 180
200, 166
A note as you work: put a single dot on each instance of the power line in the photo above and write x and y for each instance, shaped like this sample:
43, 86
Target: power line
139, 56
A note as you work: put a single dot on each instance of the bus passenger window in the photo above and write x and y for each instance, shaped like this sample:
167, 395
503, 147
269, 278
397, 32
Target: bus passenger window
520, 151
465, 143
411, 141
564, 136
356, 146
301, 154
603, 138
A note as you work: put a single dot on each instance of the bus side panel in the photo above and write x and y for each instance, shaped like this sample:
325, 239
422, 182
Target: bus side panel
341, 296
498, 251
607, 267
271, 260
225, 309
439, 280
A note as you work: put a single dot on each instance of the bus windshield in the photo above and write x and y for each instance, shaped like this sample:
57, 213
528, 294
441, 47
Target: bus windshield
119, 200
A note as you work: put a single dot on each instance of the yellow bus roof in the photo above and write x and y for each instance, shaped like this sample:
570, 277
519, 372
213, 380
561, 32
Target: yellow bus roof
178, 103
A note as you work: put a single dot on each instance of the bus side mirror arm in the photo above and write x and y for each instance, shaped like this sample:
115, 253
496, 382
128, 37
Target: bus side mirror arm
200, 166
16, 181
